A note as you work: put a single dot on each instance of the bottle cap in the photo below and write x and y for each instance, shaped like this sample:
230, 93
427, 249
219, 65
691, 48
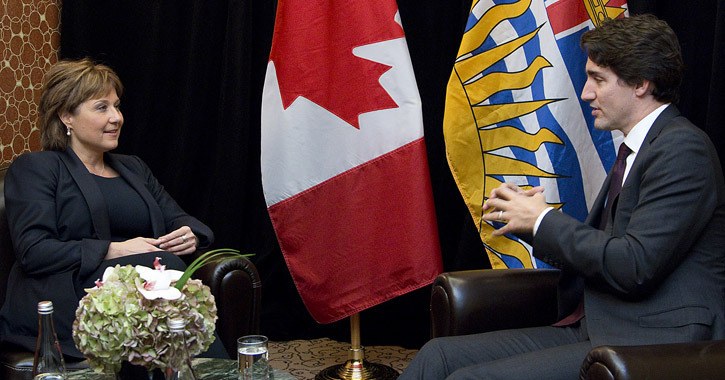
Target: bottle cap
176, 324
45, 307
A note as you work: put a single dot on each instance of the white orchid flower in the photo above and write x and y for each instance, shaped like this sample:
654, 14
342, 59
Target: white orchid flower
158, 282
108, 275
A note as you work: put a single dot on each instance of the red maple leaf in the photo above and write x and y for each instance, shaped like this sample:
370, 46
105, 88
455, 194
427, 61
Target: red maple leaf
312, 53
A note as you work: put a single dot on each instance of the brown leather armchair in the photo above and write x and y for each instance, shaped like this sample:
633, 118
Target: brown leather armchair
235, 285
467, 302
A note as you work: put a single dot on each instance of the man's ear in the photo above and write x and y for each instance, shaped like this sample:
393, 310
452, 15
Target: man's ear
644, 88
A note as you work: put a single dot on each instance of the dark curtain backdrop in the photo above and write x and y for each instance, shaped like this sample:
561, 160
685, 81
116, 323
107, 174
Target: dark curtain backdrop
194, 70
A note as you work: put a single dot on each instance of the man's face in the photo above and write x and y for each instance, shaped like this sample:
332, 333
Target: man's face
613, 101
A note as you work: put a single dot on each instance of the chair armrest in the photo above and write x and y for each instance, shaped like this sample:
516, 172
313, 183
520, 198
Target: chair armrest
467, 302
693, 360
237, 291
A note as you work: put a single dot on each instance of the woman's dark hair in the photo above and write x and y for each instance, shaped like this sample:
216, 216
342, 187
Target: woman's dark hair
638, 48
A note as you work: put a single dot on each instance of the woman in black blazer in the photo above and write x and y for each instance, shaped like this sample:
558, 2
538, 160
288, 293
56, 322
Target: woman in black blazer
75, 209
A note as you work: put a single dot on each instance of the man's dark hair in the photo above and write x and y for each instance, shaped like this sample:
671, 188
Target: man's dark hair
638, 48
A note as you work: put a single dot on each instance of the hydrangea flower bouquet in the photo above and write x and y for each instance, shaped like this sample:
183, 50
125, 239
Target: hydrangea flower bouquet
124, 317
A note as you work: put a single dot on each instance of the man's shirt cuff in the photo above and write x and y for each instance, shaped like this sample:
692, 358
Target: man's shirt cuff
540, 218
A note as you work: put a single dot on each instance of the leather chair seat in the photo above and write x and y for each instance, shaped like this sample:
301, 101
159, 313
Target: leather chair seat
469, 302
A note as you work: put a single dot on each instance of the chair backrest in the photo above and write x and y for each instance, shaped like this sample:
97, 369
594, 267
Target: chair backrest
237, 289
475, 301
7, 258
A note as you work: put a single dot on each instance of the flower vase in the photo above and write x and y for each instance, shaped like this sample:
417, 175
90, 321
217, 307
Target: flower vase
176, 374
182, 371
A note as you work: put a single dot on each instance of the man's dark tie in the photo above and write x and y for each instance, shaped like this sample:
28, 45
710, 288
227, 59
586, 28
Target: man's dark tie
615, 186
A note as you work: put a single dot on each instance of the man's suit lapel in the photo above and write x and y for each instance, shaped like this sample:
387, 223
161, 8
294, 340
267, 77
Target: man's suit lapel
659, 124
598, 207
92, 194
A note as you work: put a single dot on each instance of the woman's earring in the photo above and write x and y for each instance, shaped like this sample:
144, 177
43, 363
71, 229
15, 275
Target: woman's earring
67, 132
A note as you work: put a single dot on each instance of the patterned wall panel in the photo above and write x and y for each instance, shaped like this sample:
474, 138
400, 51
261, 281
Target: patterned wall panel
29, 40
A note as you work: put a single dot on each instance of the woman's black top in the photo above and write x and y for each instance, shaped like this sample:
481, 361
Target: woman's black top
129, 215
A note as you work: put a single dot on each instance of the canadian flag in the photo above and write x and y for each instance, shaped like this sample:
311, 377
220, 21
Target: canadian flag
344, 165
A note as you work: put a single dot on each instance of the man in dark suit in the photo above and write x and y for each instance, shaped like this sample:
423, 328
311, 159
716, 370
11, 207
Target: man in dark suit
648, 264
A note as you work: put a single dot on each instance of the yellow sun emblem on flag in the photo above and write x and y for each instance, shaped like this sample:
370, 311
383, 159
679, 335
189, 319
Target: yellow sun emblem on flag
475, 128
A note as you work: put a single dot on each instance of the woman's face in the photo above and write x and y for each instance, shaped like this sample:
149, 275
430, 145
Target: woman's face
95, 125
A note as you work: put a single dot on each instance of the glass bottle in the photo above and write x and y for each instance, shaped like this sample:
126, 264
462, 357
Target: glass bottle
179, 360
48, 361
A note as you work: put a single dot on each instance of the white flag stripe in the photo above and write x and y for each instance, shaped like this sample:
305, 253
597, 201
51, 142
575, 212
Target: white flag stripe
331, 145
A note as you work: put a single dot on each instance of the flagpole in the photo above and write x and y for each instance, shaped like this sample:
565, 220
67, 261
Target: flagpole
356, 367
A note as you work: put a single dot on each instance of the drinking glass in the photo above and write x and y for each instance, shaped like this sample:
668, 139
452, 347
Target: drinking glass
253, 357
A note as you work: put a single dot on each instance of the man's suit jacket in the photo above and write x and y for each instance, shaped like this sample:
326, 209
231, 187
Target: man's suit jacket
60, 229
657, 273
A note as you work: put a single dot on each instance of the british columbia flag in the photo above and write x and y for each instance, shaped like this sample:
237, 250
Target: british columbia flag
513, 112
